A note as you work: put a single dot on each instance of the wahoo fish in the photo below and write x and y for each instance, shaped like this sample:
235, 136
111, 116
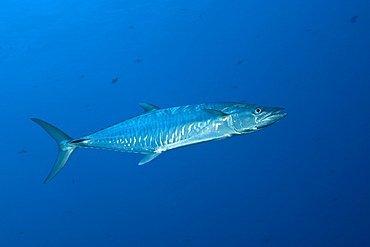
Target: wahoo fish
158, 130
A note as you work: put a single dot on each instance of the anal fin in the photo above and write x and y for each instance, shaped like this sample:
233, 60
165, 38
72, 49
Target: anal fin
148, 157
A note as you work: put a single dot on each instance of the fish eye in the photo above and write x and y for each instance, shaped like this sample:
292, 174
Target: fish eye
257, 111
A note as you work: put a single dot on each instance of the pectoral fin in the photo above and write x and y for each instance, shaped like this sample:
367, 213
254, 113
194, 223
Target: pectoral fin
215, 113
148, 158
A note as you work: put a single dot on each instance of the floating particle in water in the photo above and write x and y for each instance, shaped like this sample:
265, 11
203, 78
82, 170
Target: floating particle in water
353, 19
138, 60
131, 27
22, 151
235, 87
239, 62
21, 232
82, 76
114, 80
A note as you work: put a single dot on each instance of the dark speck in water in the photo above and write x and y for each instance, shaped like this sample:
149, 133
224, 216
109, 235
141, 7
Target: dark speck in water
353, 19
239, 62
21, 233
114, 80
22, 151
138, 60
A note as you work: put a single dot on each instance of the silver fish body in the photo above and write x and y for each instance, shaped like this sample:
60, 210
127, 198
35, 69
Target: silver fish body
158, 130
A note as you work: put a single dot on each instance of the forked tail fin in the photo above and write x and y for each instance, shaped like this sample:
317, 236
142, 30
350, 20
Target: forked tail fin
65, 147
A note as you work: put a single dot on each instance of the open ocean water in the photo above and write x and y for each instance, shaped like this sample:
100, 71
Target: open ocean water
85, 64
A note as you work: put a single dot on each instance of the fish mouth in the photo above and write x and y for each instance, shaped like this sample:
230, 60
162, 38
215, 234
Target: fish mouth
272, 117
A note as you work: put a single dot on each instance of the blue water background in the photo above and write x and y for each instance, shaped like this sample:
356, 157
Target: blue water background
304, 181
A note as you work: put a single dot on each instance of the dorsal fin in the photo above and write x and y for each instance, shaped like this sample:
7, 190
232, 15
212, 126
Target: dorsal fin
149, 107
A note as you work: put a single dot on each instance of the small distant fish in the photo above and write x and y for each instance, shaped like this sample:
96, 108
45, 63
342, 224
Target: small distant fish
353, 19
82, 76
21, 233
138, 60
184, 9
22, 151
114, 80
131, 27
235, 87
87, 105
267, 239
239, 62
36, 86
29, 48
308, 30
73, 181
200, 16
